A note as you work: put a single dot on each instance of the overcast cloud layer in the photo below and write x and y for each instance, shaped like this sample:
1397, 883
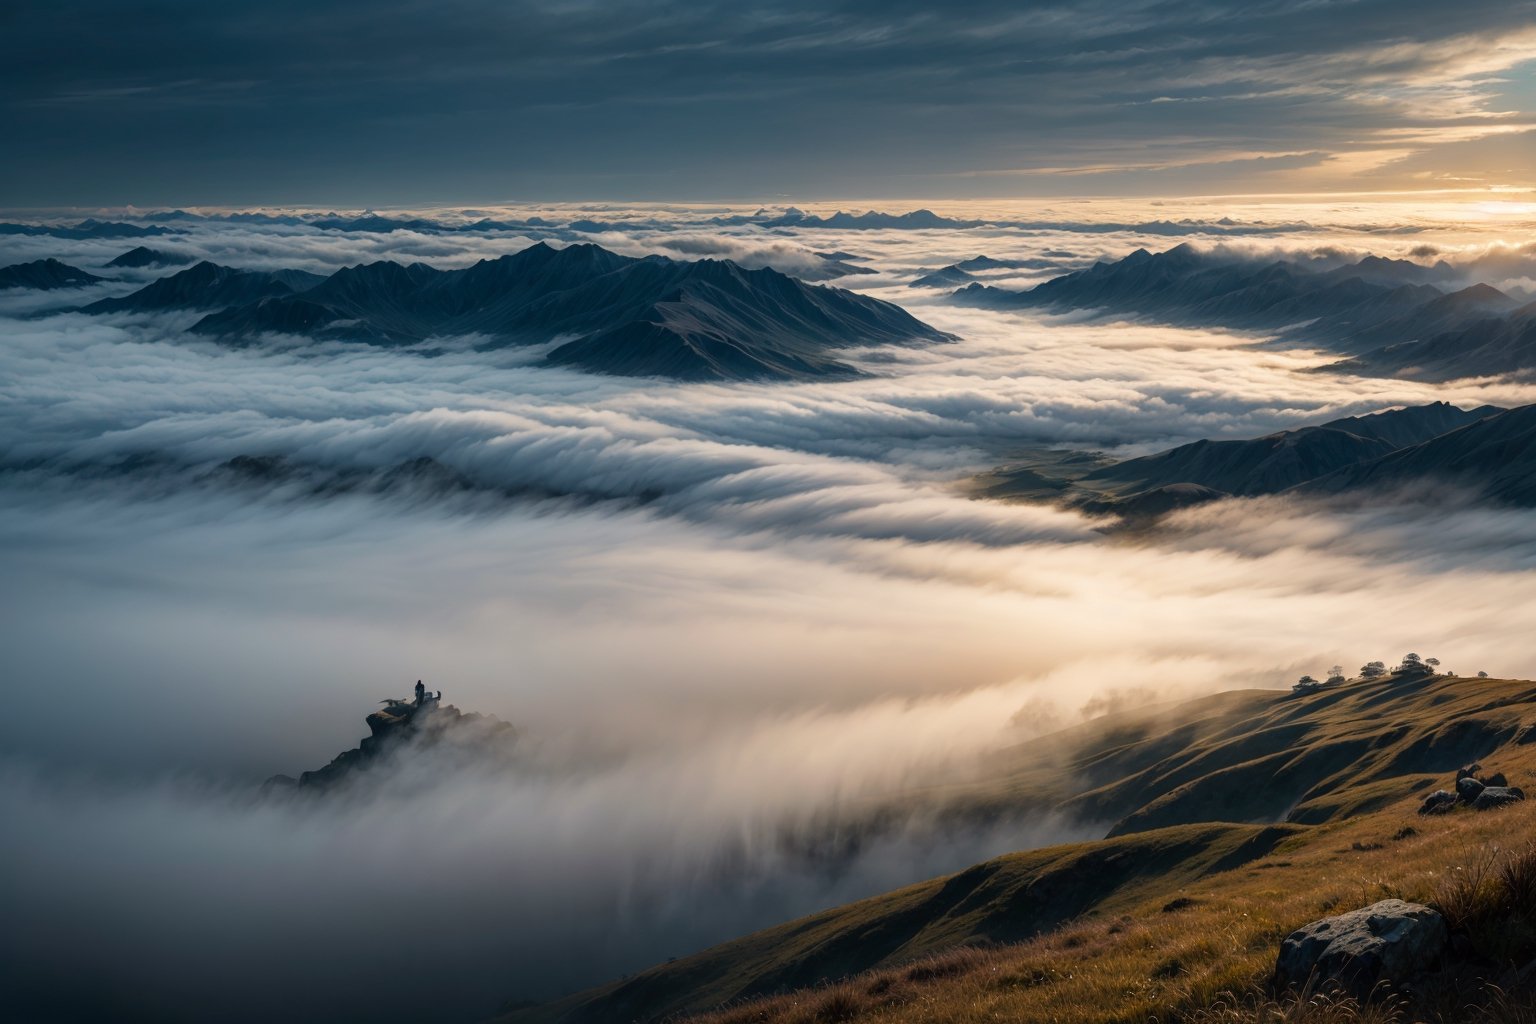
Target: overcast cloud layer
474, 100
720, 615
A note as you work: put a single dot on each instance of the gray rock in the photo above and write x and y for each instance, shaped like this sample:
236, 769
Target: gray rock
1387, 942
1497, 796
1439, 802
1496, 779
1467, 789
1470, 771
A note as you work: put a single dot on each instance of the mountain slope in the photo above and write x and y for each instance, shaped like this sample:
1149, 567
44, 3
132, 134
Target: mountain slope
1143, 489
1413, 424
1009, 899
1260, 466
1480, 345
1276, 462
204, 286
1391, 315
704, 320
1437, 316
45, 275
718, 321
1202, 795
1494, 458
87, 229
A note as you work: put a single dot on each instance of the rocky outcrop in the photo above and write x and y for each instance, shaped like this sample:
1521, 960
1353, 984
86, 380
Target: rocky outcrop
1441, 801
1497, 796
402, 730
1384, 944
1481, 793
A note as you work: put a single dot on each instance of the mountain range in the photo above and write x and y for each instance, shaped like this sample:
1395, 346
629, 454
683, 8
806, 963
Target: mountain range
45, 275
1393, 317
651, 316
1494, 457
207, 286
922, 219
964, 272
1488, 453
88, 229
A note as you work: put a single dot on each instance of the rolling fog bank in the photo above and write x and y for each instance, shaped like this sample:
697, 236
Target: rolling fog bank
727, 620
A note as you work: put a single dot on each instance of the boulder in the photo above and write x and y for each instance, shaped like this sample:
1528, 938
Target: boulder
1385, 943
1468, 772
1467, 788
1439, 802
1496, 779
1497, 796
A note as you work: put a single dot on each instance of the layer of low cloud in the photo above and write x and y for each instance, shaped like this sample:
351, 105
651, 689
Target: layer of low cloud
720, 615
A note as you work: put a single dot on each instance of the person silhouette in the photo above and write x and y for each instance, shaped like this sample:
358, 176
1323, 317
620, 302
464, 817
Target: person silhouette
421, 692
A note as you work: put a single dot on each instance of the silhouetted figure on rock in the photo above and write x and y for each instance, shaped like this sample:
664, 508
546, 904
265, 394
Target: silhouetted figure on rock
421, 693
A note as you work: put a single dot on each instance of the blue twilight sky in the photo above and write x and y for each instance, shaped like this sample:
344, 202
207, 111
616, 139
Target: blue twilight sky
454, 101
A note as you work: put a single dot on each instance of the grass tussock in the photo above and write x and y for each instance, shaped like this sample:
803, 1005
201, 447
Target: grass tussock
1257, 1007
1490, 900
862, 997
1490, 1005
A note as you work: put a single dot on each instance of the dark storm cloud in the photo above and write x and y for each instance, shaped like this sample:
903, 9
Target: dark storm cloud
409, 101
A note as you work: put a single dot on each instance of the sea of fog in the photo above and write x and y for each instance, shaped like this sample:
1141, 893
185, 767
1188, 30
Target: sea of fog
723, 615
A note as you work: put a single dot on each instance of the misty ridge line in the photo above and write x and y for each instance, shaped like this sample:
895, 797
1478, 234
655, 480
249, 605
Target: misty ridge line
1389, 316
764, 218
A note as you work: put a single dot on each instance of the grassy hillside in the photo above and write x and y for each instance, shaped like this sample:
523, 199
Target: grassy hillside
1234, 820
1257, 755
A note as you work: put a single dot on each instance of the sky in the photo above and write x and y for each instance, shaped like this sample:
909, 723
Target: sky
467, 101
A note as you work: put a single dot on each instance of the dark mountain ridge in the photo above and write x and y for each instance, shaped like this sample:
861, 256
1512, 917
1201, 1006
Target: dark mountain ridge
1487, 452
1275, 462
1393, 316
45, 275
650, 316
1481, 344
207, 285
1495, 457
87, 229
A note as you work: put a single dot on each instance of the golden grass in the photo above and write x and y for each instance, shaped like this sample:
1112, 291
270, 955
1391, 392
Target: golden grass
1155, 923
1208, 962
